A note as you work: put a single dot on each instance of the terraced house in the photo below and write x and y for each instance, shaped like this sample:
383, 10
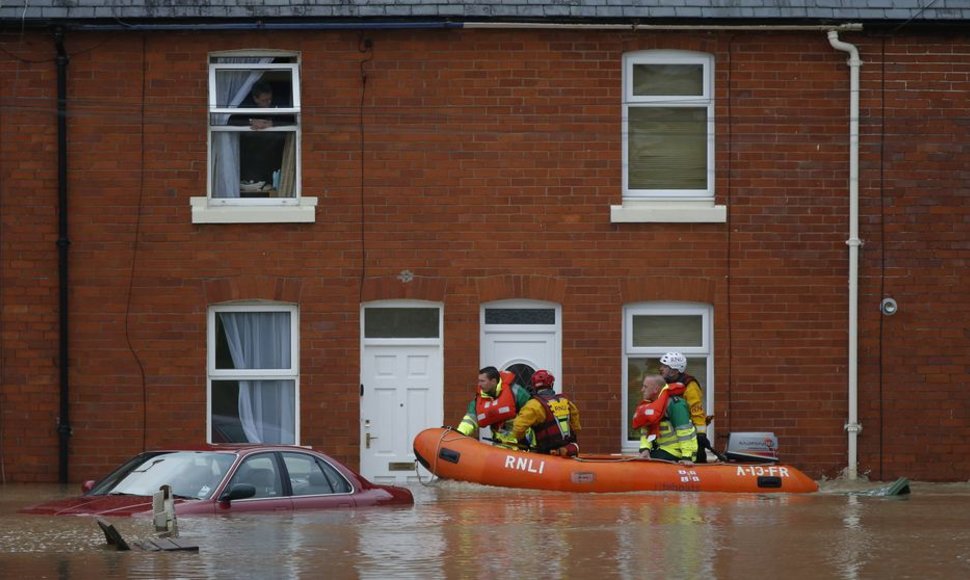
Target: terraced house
313, 222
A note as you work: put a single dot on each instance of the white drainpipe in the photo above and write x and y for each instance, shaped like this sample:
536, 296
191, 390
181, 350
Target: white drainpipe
852, 426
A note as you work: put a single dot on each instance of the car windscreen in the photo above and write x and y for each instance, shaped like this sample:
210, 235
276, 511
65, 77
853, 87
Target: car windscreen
191, 474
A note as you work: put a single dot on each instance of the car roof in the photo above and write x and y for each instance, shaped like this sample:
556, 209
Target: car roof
244, 448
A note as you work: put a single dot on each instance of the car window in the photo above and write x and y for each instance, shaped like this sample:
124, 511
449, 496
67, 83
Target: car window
310, 476
200, 475
191, 474
261, 472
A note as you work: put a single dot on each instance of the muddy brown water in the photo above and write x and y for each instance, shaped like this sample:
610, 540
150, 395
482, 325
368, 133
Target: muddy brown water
459, 530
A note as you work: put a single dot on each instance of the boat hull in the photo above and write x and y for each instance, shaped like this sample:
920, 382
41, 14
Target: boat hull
450, 455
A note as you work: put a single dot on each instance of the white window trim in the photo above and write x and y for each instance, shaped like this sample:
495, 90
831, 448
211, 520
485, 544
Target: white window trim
266, 211
706, 350
293, 373
668, 206
668, 212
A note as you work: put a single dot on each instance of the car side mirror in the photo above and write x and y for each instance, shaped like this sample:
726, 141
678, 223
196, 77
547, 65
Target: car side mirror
238, 491
87, 486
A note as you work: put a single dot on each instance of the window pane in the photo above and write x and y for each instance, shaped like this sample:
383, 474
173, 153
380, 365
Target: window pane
256, 88
260, 471
668, 331
311, 477
668, 79
401, 322
253, 340
638, 368
636, 371
226, 425
667, 148
520, 316
523, 373
254, 411
263, 164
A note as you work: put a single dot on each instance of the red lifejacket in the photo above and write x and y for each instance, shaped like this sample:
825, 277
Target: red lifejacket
553, 432
496, 410
677, 389
649, 413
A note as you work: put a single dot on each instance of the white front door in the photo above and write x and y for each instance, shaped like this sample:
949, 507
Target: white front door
402, 396
402, 388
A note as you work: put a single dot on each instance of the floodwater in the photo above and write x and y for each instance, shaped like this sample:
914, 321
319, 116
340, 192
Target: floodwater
461, 530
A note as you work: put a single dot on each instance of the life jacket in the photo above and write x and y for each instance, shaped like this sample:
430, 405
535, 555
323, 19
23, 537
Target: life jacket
500, 408
686, 379
554, 431
677, 435
650, 414
697, 414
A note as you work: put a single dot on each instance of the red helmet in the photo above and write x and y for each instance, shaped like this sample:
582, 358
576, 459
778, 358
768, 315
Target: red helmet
542, 379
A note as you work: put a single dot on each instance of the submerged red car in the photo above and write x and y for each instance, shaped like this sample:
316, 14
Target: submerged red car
228, 479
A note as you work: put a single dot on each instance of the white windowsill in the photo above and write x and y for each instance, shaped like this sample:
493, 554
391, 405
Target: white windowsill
205, 212
668, 211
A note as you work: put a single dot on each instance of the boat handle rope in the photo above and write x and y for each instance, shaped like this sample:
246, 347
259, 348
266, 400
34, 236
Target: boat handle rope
434, 464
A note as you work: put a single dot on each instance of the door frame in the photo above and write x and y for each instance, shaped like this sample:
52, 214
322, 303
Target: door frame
365, 342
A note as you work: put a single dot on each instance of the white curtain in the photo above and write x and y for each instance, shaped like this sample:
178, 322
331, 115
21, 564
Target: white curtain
231, 88
261, 340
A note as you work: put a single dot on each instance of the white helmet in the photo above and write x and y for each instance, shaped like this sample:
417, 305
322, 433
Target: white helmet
674, 360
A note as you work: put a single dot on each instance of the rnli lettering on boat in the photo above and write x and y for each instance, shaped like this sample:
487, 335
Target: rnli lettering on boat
522, 463
759, 470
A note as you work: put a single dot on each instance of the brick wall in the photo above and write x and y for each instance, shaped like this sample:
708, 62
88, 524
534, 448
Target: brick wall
490, 160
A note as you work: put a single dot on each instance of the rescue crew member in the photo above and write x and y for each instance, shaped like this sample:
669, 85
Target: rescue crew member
553, 418
495, 405
664, 420
673, 367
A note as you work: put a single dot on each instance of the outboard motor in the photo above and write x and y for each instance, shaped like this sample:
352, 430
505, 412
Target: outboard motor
752, 447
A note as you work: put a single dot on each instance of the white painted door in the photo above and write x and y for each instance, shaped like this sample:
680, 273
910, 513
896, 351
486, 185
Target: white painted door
402, 394
522, 336
533, 349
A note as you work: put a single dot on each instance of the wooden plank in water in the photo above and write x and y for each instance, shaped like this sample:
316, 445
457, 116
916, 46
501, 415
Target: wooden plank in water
112, 535
167, 545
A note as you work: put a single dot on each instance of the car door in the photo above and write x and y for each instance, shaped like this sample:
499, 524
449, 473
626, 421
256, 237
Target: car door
262, 471
315, 484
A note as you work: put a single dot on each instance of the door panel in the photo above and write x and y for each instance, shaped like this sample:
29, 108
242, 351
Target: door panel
538, 350
402, 394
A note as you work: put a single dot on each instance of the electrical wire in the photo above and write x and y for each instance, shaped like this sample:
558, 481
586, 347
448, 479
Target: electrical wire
364, 46
134, 255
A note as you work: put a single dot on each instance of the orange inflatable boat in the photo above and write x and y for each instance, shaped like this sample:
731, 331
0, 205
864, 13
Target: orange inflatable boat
450, 455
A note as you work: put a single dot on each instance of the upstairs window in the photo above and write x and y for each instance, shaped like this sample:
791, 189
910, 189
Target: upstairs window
254, 128
668, 126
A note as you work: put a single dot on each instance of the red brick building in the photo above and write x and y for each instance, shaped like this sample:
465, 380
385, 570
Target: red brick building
569, 186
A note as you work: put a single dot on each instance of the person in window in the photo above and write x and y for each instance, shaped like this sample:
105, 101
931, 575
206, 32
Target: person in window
495, 405
260, 155
672, 367
664, 421
552, 418
261, 96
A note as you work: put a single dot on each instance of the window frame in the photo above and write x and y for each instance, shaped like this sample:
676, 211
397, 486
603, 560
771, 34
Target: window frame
705, 350
667, 205
704, 100
214, 374
296, 209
